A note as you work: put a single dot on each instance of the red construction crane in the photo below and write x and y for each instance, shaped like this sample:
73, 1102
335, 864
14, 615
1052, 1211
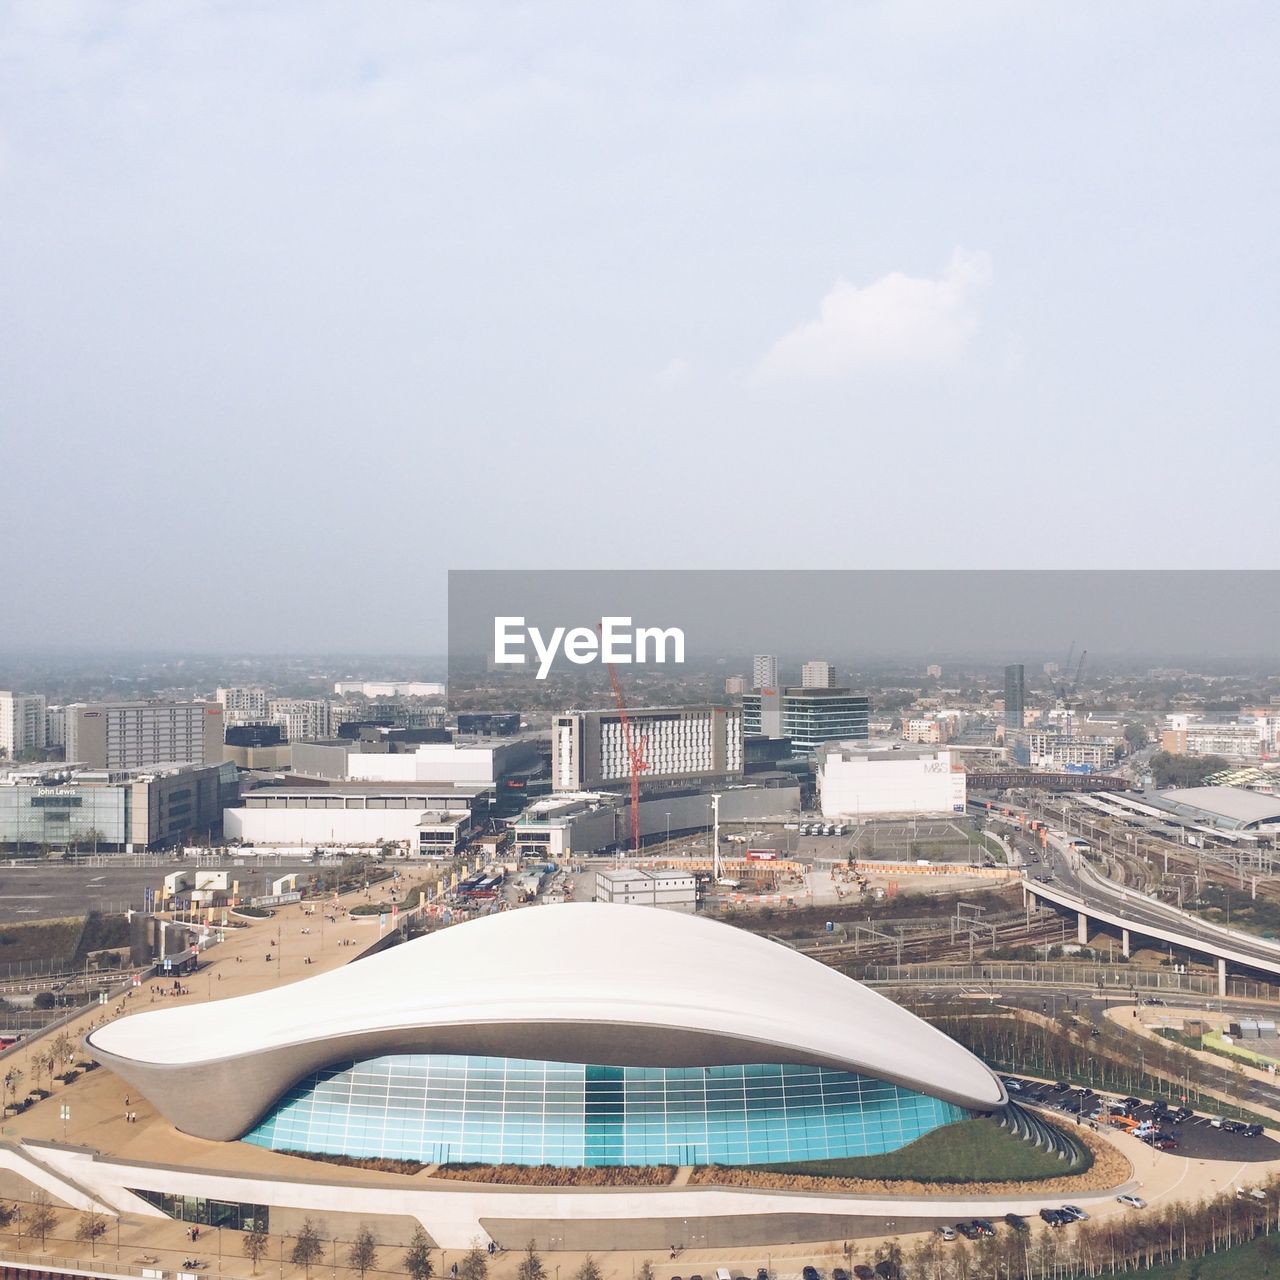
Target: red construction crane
636, 762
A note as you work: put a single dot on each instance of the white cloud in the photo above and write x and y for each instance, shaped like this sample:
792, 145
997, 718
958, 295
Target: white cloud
674, 373
895, 320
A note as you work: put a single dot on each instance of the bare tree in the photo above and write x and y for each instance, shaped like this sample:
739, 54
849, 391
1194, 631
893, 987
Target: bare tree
42, 1217
91, 1225
307, 1250
417, 1260
254, 1246
362, 1256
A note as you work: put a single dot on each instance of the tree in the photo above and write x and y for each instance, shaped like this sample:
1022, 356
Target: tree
306, 1249
63, 1049
646, 1271
41, 1217
12, 1079
531, 1267
91, 1225
1136, 736
474, 1265
362, 1256
417, 1260
44, 1064
590, 1270
255, 1245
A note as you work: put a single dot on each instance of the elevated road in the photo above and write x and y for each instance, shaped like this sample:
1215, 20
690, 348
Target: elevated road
1073, 885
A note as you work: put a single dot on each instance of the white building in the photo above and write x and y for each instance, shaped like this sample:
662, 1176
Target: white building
1234, 740
302, 719
589, 748
22, 723
390, 688
817, 675
764, 671
856, 781
243, 705
670, 890
421, 821
447, 763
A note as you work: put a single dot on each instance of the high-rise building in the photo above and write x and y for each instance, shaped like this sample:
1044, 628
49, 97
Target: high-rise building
1015, 696
134, 735
589, 748
735, 686
22, 726
764, 671
809, 717
817, 675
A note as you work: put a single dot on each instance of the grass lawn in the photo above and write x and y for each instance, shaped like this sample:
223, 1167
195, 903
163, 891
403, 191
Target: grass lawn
971, 1151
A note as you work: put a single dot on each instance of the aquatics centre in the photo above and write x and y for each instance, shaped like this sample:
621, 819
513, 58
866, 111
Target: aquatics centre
574, 1035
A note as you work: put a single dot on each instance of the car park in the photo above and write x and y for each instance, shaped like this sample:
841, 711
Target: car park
946, 1233
1132, 1201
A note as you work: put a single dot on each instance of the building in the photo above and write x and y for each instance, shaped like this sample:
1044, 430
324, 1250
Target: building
809, 717
257, 746
1043, 749
1015, 696
1236, 741
678, 1041
670, 890
136, 735
22, 723
418, 820
386, 758
578, 823
1231, 808
736, 686
764, 671
589, 748
924, 730
857, 781
128, 810
933, 671
817, 675
243, 705
488, 724
302, 719
55, 727
390, 688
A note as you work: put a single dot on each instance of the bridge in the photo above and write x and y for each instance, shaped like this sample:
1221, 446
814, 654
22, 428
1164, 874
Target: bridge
1081, 891
1006, 779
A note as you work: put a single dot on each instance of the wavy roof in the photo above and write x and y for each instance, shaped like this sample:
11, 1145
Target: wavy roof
627, 985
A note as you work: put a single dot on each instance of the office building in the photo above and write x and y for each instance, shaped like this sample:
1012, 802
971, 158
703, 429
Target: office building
55, 727
736, 686
1015, 696
390, 688
857, 782
764, 671
135, 735
809, 717
1235, 741
22, 723
589, 748
817, 675
59, 807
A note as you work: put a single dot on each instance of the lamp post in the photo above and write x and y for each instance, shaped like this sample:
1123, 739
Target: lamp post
668, 833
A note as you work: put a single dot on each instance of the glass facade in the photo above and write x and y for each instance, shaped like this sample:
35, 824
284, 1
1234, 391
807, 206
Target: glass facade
210, 1213
451, 1109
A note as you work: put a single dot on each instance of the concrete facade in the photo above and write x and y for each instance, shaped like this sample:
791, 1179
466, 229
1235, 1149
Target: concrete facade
135, 735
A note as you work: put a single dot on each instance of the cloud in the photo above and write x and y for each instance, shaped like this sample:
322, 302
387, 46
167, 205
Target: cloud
897, 320
673, 374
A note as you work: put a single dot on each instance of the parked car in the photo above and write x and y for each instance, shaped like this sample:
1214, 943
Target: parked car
864, 1272
762, 1273
1061, 1086
1181, 1115
810, 1273
1165, 1143
968, 1230
1052, 1217
1077, 1213
1133, 1202
1131, 1104
946, 1233
839, 1273
1232, 1126
983, 1227
1016, 1221
1253, 1131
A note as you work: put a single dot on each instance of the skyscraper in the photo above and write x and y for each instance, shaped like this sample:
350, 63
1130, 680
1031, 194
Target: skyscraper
764, 671
1015, 696
22, 726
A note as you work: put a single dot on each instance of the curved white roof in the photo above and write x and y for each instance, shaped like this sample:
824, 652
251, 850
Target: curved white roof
661, 978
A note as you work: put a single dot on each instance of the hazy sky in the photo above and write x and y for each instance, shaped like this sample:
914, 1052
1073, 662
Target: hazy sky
303, 304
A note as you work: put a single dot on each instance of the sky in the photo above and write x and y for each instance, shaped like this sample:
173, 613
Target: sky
304, 304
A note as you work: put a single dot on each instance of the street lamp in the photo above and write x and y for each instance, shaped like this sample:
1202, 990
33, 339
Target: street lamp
668, 833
